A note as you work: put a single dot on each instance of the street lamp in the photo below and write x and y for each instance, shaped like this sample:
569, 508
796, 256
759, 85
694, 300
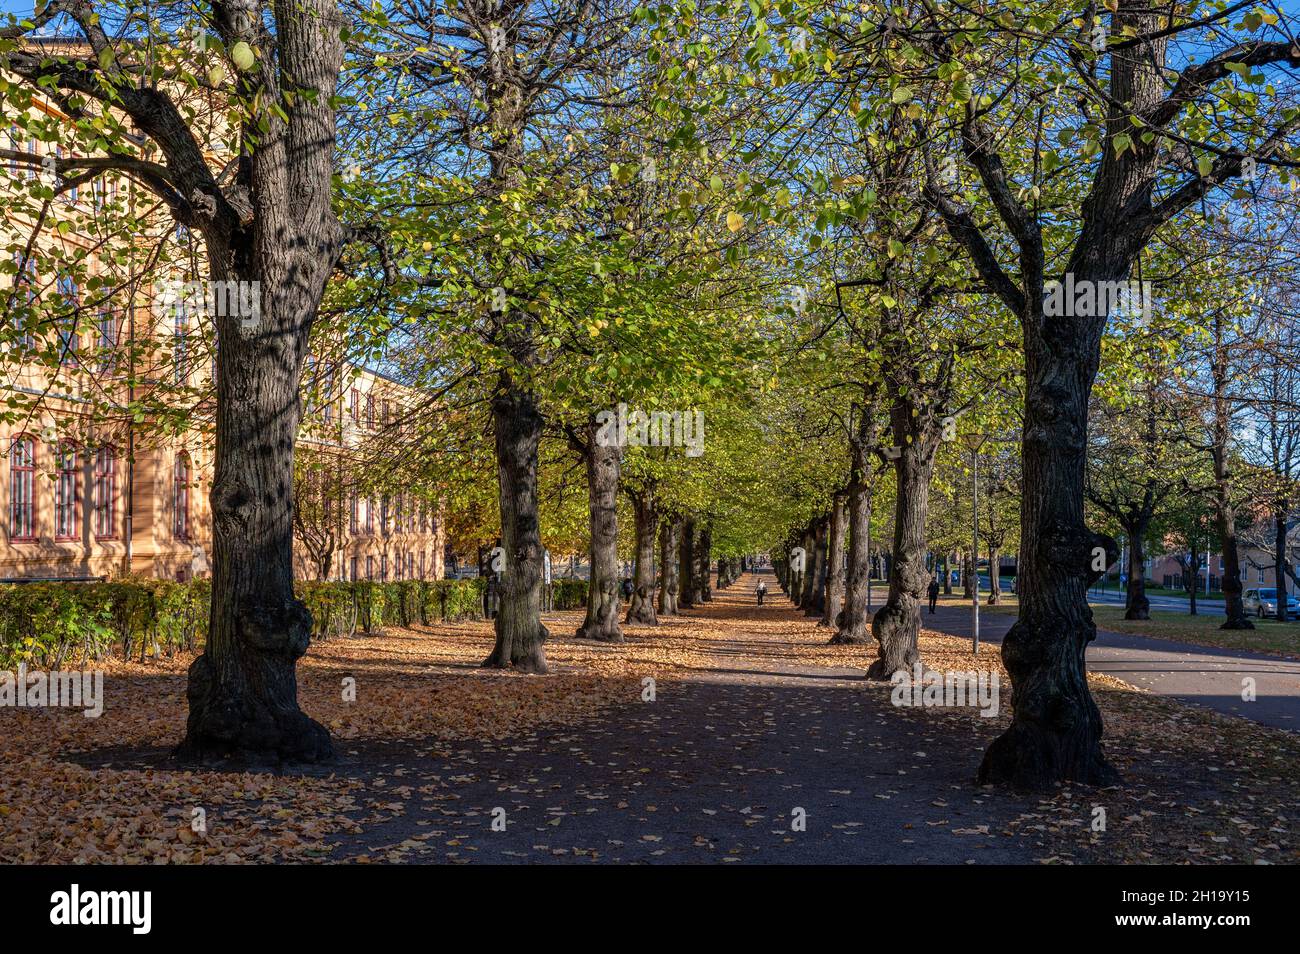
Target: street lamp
974, 442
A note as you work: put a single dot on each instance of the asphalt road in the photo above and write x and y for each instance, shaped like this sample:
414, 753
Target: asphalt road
1200, 675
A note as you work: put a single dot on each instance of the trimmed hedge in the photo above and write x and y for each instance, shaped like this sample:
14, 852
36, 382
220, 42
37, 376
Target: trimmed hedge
568, 594
46, 624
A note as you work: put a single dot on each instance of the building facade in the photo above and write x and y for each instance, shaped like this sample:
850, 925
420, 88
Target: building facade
108, 392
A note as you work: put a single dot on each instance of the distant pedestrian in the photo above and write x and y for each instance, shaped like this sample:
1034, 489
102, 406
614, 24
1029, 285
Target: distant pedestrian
933, 593
761, 591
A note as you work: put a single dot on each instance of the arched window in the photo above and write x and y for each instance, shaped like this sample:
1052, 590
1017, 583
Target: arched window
181, 496
66, 496
22, 489
103, 493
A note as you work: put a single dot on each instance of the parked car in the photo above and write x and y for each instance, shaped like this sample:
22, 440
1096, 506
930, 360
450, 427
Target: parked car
1263, 602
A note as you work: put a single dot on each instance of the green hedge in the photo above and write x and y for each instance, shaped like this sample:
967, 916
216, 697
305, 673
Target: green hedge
48, 624
568, 594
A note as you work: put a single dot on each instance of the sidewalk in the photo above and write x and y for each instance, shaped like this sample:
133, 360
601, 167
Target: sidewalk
1199, 675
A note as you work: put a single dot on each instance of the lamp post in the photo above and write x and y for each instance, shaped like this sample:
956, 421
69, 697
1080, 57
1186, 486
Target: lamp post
974, 442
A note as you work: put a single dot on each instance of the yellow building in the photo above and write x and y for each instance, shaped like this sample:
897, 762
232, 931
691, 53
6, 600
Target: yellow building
96, 480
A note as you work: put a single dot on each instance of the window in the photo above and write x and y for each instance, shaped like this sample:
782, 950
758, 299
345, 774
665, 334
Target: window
422, 564
383, 515
25, 275
180, 342
108, 330
397, 571
370, 411
352, 517
22, 489
15, 142
354, 569
181, 496
370, 568
65, 492
410, 565
69, 340
70, 194
103, 492
370, 515
354, 406
383, 566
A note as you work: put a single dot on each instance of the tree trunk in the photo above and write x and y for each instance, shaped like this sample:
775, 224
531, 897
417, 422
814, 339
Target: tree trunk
1136, 604
641, 608
243, 689
703, 559
995, 581
897, 623
1056, 729
686, 565
834, 564
1225, 517
1280, 561
519, 630
603, 465
816, 602
669, 538
853, 620
947, 574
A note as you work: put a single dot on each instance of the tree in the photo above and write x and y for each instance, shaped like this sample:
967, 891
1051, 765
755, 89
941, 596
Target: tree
1151, 150
266, 220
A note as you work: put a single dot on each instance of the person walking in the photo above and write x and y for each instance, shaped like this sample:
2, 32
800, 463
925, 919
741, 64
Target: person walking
933, 593
761, 591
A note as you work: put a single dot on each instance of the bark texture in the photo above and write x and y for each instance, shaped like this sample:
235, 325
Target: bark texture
603, 466
519, 629
669, 538
834, 563
276, 228
641, 608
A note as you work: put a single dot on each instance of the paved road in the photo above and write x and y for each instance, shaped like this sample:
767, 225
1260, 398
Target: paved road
712, 771
1178, 604
1195, 674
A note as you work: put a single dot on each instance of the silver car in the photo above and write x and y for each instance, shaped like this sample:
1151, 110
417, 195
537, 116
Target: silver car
1263, 603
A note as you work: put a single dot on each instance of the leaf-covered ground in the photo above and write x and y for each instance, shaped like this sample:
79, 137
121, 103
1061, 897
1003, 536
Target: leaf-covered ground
762, 744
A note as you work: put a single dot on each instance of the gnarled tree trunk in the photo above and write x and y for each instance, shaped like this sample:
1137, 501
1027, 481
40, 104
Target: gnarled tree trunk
243, 690
1136, 604
641, 608
995, 581
603, 465
815, 603
897, 623
686, 565
852, 626
519, 629
834, 563
669, 537
703, 550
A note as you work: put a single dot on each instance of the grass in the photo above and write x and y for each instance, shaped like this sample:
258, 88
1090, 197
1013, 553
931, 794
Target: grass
1268, 636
